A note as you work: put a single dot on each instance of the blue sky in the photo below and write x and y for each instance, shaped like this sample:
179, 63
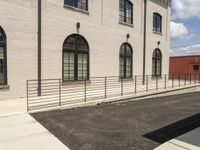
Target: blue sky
185, 27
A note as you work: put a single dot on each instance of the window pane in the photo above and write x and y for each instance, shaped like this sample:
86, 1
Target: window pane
82, 66
82, 4
68, 66
158, 69
81, 44
2, 65
121, 67
1, 36
70, 43
153, 67
70, 2
128, 67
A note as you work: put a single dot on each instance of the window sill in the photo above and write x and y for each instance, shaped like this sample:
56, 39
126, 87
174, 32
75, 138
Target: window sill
156, 77
159, 33
76, 9
3, 87
126, 24
126, 79
66, 83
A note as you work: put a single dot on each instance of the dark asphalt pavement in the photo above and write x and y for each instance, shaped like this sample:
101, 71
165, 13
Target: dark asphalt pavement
137, 125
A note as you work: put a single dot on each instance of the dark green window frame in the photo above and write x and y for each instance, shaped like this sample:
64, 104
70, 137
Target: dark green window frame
3, 57
75, 58
81, 4
157, 23
126, 61
126, 11
157, 63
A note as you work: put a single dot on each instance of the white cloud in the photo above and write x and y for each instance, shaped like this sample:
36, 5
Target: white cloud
179, 31
186, 9
188, 50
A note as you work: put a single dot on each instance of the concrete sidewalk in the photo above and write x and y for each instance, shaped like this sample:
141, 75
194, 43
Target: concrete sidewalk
22, 132
13, 107
188, 141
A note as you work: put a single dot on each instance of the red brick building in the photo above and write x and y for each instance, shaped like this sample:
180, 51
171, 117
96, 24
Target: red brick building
189, 65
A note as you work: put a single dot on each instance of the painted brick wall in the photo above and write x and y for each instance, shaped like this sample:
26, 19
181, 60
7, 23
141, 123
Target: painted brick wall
100, 27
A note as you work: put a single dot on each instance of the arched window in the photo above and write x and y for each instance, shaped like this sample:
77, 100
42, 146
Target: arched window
125, 65
81, 4
75, 58
126, 11
157, 23
3, 63
156, 63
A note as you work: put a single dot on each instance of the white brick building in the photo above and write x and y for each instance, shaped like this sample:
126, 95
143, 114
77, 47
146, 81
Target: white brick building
106, 26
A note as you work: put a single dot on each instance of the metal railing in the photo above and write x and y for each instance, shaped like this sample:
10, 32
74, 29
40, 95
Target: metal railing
55, 93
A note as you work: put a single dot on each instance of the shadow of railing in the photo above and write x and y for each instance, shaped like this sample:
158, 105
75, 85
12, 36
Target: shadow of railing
174, 130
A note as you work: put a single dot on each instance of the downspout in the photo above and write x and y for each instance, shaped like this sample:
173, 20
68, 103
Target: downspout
144, 42
39, 45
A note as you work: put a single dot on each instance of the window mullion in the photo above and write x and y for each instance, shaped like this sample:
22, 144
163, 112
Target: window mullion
76, 60
124, 10
76, 3
125, 62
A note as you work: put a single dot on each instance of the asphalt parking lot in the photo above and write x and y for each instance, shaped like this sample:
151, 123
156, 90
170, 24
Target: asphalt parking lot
137, 125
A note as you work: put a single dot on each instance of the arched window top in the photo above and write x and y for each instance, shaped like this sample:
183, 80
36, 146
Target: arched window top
76, 42
126, 50
157, 53
157, 14
2, 36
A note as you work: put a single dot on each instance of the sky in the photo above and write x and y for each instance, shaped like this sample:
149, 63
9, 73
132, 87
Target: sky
185, 28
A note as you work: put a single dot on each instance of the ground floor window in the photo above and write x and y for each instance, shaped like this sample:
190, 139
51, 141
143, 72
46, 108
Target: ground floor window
156, 63
3, 79
125, 64
75, 58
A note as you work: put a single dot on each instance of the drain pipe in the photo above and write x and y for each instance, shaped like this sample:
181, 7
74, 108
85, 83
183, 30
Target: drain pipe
144, 42
39, 45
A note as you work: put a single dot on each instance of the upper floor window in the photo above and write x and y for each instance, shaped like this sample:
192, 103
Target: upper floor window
75, 58
125, 61
157, 23
3, 67
81, 4
126, 11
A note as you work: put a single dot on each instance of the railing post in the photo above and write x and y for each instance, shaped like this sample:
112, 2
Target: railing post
105, 87
185, 79
60, 103
165, 81
147, 83
135, 84
199, 78
195, 77
85, 90
190, 78
179, 80
27, 95
156, 82
122, 87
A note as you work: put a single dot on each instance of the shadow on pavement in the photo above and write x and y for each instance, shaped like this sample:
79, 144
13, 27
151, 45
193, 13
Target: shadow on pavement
174, 130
